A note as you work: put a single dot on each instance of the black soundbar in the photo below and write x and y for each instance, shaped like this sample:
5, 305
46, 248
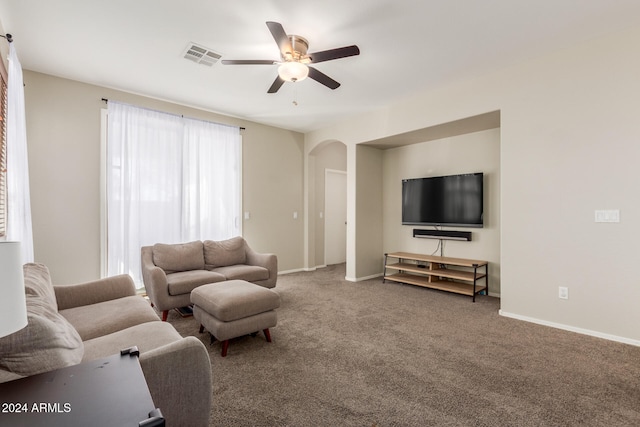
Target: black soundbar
442, 234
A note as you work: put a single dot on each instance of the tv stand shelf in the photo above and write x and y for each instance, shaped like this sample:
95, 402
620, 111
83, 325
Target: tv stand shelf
433, 272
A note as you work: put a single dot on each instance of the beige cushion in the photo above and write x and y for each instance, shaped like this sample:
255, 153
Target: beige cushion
224, 252
234, 299
183, 282
48, 341
104, 318
179, 257
145, 336
250, 273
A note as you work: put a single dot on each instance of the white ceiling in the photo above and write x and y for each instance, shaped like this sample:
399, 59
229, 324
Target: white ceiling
406, 46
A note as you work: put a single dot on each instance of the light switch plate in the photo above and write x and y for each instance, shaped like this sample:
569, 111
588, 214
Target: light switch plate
563, 292
610, 215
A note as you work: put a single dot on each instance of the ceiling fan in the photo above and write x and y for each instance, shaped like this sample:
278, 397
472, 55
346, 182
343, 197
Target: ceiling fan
295, 59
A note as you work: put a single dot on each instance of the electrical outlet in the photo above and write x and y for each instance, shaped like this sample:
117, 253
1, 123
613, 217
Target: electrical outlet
563, 292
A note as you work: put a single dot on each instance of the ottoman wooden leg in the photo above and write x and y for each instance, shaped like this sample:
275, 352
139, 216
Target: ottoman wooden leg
267, 334
225, 347
201, 329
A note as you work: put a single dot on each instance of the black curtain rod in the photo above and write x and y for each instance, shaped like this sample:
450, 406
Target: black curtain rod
105, 100
7, 36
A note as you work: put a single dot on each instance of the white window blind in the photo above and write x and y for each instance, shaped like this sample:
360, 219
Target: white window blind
3, 155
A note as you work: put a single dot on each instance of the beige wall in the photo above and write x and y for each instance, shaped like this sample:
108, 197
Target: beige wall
331, 156
63, 130
273, 192
368, 213
568, 146
474, 152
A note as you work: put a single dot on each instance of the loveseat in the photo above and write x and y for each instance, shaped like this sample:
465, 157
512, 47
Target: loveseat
171, 271
71, 324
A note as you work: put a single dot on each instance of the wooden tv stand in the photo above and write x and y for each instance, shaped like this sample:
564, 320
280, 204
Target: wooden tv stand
433, 272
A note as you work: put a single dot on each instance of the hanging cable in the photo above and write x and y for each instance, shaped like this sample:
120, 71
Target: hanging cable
295, 94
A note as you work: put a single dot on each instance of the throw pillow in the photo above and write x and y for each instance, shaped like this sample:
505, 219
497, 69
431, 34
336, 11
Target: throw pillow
37, 281
179, 257
224, 252
48, 341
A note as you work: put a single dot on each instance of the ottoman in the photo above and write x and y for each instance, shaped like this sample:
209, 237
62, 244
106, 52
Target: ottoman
234, 308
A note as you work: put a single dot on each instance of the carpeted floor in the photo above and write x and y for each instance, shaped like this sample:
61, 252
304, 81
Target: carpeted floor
374, 354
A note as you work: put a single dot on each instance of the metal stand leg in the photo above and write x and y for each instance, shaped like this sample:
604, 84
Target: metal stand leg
486, 279
475, 271
384, 269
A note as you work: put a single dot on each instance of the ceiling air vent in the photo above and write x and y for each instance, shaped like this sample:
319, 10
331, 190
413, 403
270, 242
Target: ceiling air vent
201, 55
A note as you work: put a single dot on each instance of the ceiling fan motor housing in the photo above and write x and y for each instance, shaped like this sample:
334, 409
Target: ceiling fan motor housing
299, 45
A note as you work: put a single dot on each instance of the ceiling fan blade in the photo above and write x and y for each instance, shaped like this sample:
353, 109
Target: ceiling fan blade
277, 84
247, 62
280, 36
328, 55
322, 78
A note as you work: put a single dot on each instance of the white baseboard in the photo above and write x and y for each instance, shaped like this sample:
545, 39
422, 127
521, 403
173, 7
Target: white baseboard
361, 279
572, 328
297, 270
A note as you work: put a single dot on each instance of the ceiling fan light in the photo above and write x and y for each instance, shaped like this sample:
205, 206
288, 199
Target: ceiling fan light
293, 71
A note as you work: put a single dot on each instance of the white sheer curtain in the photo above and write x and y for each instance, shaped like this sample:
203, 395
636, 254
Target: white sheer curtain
211, 181
18, 195
169, 180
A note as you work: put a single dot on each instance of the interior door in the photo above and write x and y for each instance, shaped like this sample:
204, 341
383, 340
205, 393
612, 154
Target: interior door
335, 224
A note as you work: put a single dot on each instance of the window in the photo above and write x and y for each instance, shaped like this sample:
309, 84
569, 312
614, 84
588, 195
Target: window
169, 179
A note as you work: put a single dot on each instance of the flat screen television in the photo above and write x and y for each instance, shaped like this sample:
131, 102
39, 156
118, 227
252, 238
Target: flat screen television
454, 200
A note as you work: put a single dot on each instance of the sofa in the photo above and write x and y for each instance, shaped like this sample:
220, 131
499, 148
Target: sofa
71, 324
171, 271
